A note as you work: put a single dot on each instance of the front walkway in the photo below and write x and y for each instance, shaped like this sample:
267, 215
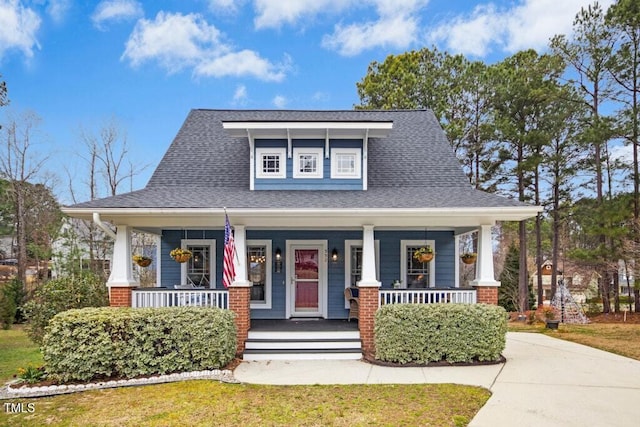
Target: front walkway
545, 382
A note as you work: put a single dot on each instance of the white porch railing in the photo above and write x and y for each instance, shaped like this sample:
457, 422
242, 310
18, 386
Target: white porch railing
427, 296
179, 298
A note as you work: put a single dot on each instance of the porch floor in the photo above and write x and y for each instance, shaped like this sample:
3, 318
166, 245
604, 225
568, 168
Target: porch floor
308, 325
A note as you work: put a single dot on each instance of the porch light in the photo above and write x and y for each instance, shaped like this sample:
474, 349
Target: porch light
278, 263
334, 255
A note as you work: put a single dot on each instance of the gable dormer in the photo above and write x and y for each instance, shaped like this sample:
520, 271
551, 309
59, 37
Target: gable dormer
308, 155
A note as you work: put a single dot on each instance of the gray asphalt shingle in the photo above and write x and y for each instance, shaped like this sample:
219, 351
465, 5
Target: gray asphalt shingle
205, 167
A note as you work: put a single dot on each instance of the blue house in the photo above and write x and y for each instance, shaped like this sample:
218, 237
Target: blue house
320, 201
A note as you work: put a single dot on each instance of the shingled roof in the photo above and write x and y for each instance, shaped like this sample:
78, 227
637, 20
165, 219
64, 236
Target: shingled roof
205, 167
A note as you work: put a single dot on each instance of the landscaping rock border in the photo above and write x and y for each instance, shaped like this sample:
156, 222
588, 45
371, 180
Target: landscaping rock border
17, 389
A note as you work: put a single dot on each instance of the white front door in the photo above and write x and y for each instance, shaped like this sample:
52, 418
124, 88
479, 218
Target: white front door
307, 284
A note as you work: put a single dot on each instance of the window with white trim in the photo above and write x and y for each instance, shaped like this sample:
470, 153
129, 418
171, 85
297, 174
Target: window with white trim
346, 163
199, 270
259, 272
307, 162
353, 263
271, 163
416, 274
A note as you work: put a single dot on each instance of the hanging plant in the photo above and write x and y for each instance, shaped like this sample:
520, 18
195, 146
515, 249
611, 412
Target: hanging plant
180, 255
469, 257
142, 261
424, 254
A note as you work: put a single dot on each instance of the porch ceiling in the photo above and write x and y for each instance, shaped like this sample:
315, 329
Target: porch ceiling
449, 218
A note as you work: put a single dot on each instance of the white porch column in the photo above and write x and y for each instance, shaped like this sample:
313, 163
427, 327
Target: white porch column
456, 271
121, 263
240, 261
368, 259
484, 264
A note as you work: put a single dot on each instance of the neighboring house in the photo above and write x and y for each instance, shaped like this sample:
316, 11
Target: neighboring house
319, 201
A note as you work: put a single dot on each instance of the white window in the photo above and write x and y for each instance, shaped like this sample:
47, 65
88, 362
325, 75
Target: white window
259, 272
307, 163
353, 263
414, 273
200, 269
346, 163
271, 163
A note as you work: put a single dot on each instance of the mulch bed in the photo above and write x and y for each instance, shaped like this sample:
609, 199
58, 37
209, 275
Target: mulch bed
441, 363
633, 318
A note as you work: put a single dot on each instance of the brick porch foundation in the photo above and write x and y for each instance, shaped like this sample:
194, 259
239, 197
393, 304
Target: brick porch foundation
368, 305
120, 296
487, 294
240, 304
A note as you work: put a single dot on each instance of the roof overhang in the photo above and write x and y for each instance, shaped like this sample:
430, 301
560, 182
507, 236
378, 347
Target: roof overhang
308, 130
180, 218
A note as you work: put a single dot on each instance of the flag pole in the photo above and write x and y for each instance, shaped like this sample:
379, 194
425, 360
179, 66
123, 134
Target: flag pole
226, 218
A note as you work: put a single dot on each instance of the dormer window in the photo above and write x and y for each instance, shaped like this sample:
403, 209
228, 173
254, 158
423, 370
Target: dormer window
346, 163
307, 163
271, 163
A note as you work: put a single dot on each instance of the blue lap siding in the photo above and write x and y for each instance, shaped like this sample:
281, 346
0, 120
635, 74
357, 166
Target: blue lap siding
389, 243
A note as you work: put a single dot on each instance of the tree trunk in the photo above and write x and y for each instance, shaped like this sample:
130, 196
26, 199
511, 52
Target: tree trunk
523, 286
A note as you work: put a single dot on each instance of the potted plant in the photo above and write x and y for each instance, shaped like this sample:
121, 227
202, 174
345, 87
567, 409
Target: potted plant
141, 260
549, 315
180, 255
424, 254
469, 257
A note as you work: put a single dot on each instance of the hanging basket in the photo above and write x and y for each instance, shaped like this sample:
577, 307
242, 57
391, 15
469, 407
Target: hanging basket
469, 258
180, 255
424, 257
142, 261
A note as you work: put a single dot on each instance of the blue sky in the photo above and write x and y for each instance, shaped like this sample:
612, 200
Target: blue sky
145, 64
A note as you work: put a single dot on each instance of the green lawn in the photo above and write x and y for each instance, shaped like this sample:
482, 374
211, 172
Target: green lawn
16, 351
210, 403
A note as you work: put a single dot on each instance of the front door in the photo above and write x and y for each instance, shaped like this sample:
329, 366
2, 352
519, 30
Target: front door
307, 286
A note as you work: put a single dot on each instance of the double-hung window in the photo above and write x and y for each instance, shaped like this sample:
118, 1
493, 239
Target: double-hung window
259, 272
415, 273
200, 269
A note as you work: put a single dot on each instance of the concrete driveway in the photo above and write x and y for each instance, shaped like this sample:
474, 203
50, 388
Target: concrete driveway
545, 382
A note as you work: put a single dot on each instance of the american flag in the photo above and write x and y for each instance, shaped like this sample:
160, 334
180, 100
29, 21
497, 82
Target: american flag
228, 268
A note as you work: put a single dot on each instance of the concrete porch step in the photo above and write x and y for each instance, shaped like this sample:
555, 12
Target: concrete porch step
299, 345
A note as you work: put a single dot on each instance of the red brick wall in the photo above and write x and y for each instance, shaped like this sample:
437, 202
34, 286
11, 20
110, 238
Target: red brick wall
120, 297
239, 303
487, 294
368, 303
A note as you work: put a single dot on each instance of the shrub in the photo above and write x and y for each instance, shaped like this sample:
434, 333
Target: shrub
413, 333
107, 342
12, 296
74, 291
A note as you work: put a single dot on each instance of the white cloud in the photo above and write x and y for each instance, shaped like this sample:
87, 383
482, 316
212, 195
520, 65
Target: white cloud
280, 101
528, 24
176, 41
116, 10
18, 27
242, 63
623, 154
225, 7
393, 31
179, 41
240, 95
275, 13
395, 22
57, 9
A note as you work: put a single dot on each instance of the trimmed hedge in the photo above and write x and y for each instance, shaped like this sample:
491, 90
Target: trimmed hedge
90, 343
456, 333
